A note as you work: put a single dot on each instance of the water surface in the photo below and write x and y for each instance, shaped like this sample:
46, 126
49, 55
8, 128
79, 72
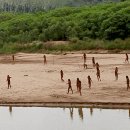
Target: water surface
42, 118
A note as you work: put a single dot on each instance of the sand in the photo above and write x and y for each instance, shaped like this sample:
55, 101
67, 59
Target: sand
34, 82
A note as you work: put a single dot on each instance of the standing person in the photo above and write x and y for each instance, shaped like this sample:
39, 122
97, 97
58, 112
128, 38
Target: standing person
98, 74
45, 61
61, 74
127, 82
80, 88
69, 86
84, 57
93, 61
89, 81
127, 58
77, 84
116, 73
8, 80
13, 57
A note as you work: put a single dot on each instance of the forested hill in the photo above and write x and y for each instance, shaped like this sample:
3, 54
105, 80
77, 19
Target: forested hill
37, 5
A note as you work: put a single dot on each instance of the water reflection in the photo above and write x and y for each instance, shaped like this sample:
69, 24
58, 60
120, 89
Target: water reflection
71, 112
91, 111
65, 118
129, 113
80, 110
10, 110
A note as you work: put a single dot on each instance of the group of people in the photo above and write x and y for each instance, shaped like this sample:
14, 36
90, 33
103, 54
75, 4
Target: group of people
96, 65
78, 82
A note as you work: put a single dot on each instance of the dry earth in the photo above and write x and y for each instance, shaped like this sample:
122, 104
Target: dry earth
32, 81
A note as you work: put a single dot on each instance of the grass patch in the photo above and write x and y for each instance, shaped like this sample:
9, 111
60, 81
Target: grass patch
73, 45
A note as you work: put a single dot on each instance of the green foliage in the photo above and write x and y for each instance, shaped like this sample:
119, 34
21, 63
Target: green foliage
74, 45
107, 21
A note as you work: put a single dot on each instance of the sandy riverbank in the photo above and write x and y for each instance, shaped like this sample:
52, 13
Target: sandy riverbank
34, 82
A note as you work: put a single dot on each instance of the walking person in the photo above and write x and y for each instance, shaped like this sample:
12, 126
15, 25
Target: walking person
8, 81
98, 74
127, 58
45, 60
93, 61
80, 88
89, 81
116, 73
127, 82
61, 74
84, 57
77, 84
69, 86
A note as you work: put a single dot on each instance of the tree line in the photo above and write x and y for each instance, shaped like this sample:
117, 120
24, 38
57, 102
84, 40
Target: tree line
40, 5
104, 21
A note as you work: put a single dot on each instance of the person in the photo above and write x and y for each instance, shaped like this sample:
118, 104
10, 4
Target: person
127, 58
61, 73
80, 88
97, 66
127, 82
93, 61
69, 86
13, 57
45, 61
77, 84
8, 80
85, 66
89, 81
84, 57
98, 74
116, 73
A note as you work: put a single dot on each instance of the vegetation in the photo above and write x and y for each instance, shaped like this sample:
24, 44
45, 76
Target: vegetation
73, 45
108, 22
38, 5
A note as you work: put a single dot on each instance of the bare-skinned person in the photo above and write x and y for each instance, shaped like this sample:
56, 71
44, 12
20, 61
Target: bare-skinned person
13, 57
84, 57
69, 86
116, 73
45, 60
98, 74
77, 84
8, 81
127, 58
80, 88
97, 66
127, 82
93, 61
61, 74
89, 82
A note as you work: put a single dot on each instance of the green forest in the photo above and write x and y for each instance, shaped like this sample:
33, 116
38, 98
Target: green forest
100, 26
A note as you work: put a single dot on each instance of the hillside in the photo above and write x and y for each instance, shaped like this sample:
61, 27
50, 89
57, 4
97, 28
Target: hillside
37, 5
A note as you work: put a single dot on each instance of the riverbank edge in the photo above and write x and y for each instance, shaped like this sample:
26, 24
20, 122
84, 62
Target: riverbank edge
105, 105
73, 52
